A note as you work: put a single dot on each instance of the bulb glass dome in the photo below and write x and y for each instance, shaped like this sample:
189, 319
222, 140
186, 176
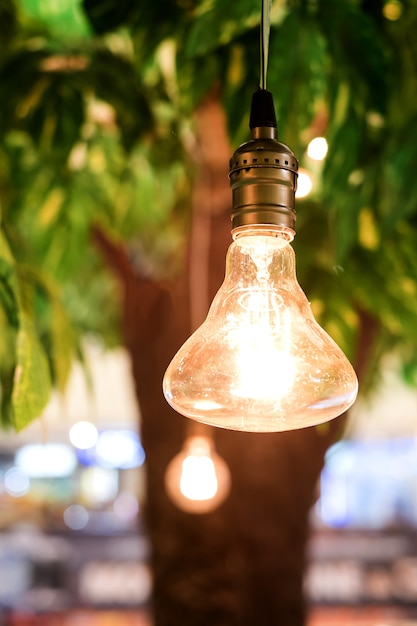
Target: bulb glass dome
197, 479
260, 362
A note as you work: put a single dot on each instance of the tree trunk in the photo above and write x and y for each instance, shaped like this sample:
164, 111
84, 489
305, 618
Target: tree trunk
242, 564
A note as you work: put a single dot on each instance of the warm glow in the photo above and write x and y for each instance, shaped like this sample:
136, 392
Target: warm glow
197, 479
260, 362
206, 405
304, 185
263, 370
393, 10
317, 148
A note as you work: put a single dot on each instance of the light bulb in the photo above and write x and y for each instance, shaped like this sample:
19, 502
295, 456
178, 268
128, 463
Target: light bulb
197, 479
305, 184
317, 148
260, 362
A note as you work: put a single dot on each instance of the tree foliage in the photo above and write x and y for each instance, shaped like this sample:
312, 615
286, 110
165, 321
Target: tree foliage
96, 128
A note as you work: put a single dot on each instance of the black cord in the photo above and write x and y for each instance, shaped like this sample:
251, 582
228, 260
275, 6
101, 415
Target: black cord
264, 41
262, 108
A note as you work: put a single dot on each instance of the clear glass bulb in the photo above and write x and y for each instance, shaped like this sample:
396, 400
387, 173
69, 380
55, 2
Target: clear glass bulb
260, 362
197, 479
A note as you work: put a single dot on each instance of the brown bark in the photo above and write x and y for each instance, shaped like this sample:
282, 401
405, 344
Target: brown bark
242, 564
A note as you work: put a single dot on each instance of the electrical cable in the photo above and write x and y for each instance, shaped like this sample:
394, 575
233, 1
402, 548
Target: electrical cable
264, 40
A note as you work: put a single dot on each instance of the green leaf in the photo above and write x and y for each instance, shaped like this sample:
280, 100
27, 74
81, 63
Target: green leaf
9, 323
62, 349
217, 23
357, 51
296, 74
399, 199
57, 332
196, 78
149, 22
8, 24
21, 88
55, 125
115, 81
44, 100
241, 79
107, 15
32, 379
9, 295
65, 18
60, 340
6, 387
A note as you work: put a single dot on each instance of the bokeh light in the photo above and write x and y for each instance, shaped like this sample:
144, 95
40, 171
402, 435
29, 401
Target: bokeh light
16, 482
76, 517
83, 435
46, 460
304, 184
98, 485
119, 449
392, 10
126, 506
317, 148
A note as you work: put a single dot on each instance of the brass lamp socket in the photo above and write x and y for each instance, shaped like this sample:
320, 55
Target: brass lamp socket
263, 178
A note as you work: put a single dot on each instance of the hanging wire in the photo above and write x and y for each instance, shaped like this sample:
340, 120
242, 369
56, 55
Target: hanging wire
265, 28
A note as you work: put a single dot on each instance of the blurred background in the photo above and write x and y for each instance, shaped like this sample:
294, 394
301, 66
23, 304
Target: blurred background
74, 545
117, 121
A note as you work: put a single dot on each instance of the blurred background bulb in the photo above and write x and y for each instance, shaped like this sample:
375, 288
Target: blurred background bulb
260, 362
197, 479
317, 148
305, 184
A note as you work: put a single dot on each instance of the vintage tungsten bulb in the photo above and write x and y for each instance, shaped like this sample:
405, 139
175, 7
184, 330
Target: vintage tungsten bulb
197, 479
260, 362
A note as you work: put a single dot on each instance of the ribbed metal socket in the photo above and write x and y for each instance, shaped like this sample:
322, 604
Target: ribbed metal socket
263, 179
